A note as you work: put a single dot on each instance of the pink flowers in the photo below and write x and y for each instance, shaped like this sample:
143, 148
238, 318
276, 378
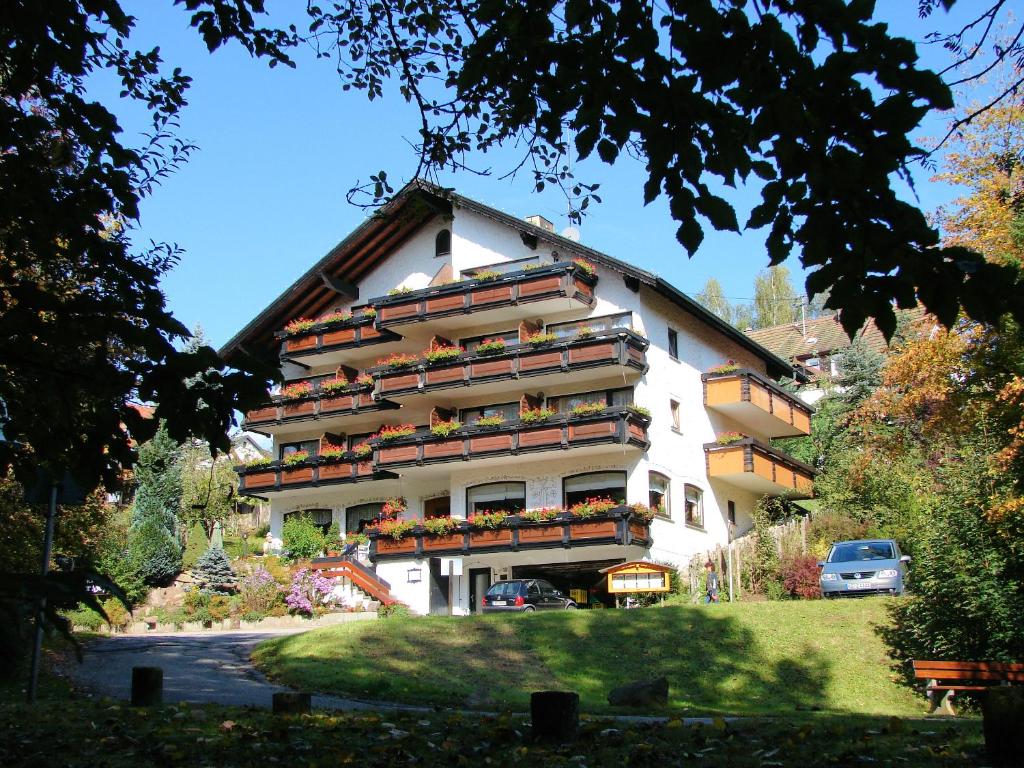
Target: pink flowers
308, 592
296, 390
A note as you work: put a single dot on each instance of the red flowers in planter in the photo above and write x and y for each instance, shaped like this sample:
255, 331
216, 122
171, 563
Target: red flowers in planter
728, 438
387, 433
729, 366
593, 506
299, 326
491, 346
296, 390
585, 265
330, 451
394, 506
397, 360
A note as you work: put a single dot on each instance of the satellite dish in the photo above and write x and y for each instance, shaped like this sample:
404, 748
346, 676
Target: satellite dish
571, 233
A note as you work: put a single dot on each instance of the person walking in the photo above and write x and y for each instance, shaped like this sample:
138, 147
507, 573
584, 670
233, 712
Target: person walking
711, 583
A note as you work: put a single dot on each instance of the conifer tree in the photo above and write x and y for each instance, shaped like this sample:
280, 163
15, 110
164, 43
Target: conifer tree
155, 545
196, 546
213, 572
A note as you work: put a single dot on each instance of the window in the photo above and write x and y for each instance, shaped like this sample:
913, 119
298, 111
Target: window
602, 323
606, 397
673, 344
496, 497
658, 494
694, 506
358, 516
595, 485
509, 411
312, 447
354, 440
439, 507
674, 405
443, 243
321, 517
732, 512
470, 344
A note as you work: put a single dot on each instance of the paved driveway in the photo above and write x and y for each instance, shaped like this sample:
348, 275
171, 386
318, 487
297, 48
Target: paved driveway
199, 668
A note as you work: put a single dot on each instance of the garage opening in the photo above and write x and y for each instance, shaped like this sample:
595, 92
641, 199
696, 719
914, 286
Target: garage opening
583, 581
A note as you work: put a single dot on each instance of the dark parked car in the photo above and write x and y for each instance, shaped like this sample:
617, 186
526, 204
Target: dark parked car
524, 596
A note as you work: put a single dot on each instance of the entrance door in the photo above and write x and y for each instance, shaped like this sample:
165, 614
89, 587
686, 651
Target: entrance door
479, 581
438, 589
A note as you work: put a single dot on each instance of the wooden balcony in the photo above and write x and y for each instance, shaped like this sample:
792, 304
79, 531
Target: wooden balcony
312, 473
614, 426
621, 348
315, 407
757, 402
558, 287
619, 526
323, 343
750, 464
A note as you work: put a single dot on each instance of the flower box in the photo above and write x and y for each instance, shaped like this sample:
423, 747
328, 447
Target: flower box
592, 430
400, 382
446, 303
260, 479
540, 285
495, 538
364, 468
300, 343
635, 430
491, 368
398, 454
599, 529
539, 360
340, 336
335, 471
451, 541
549, 436
486, 443
298, 475
343, 403
399, 311
539, 534
388, 546
442, 449
492, 295
591, 353
304, 408
262, 414
639, 530
368, 332
445, 375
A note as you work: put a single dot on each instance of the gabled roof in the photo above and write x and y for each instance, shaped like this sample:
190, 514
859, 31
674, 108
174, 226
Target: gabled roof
391, 225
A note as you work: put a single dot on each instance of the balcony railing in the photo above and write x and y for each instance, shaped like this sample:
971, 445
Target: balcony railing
750, 464
619, 526
553, 281
322, 338
619, 347
316, 405
617, 426
757, 402
312, 473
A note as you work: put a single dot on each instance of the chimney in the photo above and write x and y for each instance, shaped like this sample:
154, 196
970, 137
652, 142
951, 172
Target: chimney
540, 221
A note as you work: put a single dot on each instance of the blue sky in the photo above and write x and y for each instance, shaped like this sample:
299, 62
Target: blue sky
264, 196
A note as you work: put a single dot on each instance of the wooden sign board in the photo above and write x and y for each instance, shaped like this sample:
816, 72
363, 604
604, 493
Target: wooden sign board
638, 577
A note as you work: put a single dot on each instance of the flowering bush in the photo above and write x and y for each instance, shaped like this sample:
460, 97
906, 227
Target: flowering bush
296, 390
394, 527
639, 410
308, 592
394, 506
362, 450
294, 458
440, 526
540, 338
800, 576
364, 380
331, 451
540, 515
729, 366
486, 274
369, 312
397, 360
388, 433
258, 463
490, 421
332, 386
728, 438
646, 513
259, 591
535, 415
585, 265
445, 428
593, 506
588, 409
334, 318
443, 354
299, 325
490, 346
487, 519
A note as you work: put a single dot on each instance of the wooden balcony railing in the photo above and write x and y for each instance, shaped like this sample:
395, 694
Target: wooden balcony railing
553, 281
357, 332
619, 526
316, 405
757, 402
618, 426
751, 464
619, 347
312, 473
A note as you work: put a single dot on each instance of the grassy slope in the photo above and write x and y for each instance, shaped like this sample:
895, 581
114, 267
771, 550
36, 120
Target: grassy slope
746, 658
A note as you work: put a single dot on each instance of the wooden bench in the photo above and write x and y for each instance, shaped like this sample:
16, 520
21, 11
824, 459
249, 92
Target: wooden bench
948, 677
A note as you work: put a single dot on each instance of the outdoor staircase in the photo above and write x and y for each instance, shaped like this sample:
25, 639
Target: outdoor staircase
358, 583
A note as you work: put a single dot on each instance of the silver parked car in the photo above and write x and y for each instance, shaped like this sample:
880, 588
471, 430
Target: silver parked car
864, 567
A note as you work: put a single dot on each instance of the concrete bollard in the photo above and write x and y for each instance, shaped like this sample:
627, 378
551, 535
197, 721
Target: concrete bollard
147, 686
555, 715
1003, 723
289, 703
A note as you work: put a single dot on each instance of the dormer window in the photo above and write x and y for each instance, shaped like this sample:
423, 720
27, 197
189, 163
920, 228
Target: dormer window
443, 243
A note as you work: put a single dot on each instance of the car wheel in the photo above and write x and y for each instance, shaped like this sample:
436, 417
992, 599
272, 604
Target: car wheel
570, 607
529, 609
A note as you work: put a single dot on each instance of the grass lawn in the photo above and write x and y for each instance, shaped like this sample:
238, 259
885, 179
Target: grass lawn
745, 658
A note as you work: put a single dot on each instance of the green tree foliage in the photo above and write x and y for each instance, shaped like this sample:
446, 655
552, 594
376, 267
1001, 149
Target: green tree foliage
208, 487
775, 301
195, 547
302, 538
154, 543
712, 298
861, 372
213, 572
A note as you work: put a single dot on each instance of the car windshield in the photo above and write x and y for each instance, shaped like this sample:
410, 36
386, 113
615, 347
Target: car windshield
871, 550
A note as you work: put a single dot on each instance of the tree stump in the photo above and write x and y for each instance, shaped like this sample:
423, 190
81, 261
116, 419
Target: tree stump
1003, 723
555, 715
289, 703
147, 686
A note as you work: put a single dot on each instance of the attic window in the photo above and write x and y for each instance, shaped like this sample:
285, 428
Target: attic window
443, 243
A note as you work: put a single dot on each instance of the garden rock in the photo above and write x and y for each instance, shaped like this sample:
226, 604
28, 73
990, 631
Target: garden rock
641, 693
